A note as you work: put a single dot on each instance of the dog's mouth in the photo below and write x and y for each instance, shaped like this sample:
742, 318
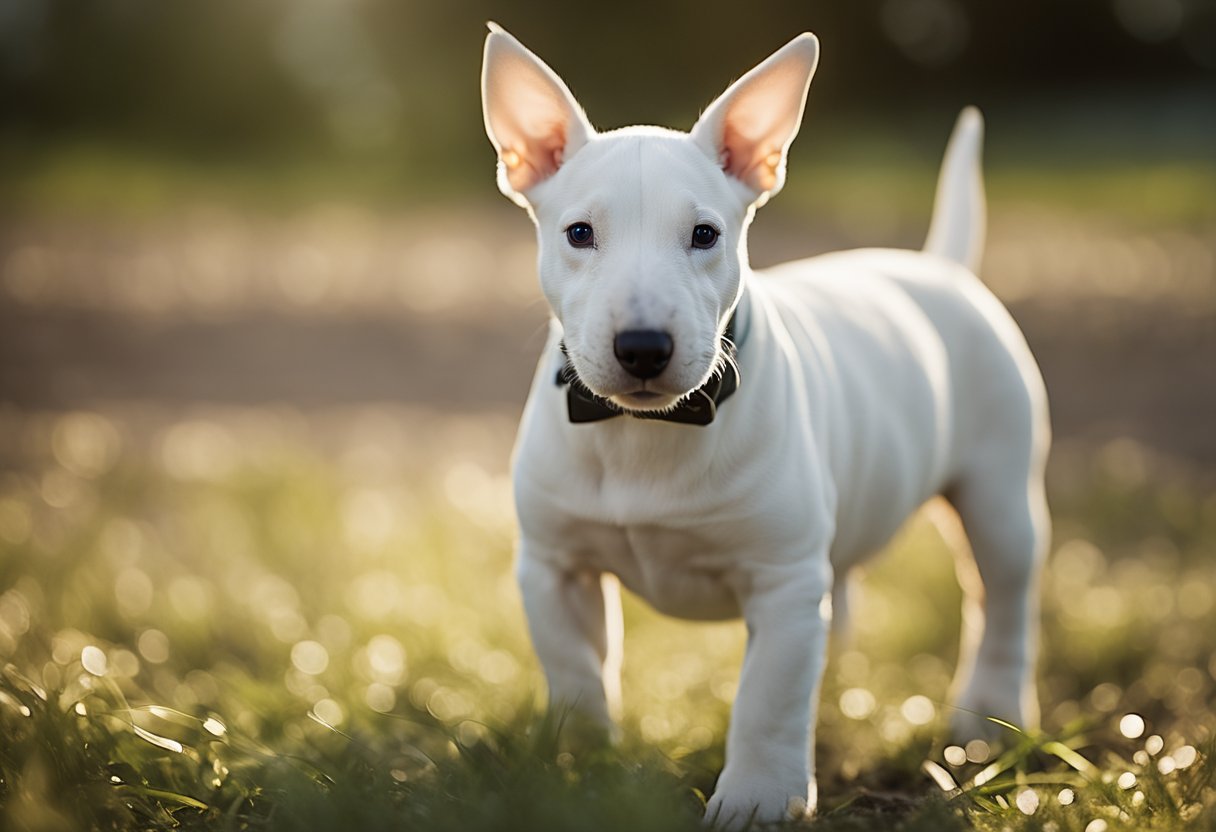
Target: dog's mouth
648, 397
661, 396
624, 391
644, 400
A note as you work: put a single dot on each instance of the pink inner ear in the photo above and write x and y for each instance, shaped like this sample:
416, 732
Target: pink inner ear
738, 152
549, 148
534, 159
757, 124
530, 115
744, 159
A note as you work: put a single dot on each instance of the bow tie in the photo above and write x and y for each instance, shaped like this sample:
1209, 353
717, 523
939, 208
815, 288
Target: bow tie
698, 408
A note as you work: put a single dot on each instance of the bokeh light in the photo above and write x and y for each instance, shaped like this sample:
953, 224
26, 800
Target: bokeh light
93, 659
1132, 726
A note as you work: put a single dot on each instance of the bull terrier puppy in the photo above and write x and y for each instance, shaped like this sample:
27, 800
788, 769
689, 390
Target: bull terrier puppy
729, 442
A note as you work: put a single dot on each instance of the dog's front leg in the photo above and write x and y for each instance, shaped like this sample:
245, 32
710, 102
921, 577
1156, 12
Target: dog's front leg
575, 621
769, 773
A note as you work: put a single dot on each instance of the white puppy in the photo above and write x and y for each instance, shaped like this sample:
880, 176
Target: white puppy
867, 382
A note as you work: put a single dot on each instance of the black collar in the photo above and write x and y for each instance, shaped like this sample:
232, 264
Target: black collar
698, 408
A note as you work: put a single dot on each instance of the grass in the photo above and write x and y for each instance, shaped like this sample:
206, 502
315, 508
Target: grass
274, 639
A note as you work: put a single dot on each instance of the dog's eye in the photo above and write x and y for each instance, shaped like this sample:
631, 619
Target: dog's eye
704, 236
580, 235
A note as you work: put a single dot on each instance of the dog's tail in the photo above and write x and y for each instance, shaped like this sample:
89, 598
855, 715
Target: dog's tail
960, 215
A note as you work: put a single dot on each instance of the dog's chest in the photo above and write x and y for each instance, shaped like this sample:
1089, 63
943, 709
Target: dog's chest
684, 572
684, 542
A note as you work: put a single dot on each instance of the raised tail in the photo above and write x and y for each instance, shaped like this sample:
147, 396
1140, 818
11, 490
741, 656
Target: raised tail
960, 215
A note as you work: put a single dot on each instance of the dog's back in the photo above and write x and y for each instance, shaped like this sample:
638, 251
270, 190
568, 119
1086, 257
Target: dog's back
872, 327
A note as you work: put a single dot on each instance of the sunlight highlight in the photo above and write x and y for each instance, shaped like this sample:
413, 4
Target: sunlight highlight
1027, 801
918, 710
93, 659
1132, 726
955, 755
857, 703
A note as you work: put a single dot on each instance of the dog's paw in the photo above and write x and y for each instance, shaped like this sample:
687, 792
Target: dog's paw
581, 733
756, 803
968, 725
984, 707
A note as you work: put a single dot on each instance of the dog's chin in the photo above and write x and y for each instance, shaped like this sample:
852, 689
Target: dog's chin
643, 401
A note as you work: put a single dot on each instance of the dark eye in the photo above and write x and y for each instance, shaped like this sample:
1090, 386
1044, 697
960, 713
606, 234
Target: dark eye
704, 236
580, 235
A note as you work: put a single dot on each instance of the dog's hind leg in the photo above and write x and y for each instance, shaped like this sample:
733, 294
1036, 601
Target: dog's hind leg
1004, 514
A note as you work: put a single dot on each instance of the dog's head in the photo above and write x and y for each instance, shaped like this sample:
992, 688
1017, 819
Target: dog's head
642, 230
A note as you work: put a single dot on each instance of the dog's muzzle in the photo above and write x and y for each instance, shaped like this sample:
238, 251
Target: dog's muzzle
646, 352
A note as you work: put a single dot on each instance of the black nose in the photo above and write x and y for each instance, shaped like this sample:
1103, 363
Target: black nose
643, 352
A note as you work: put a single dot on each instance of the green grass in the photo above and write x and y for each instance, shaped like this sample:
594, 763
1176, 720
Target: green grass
266, 639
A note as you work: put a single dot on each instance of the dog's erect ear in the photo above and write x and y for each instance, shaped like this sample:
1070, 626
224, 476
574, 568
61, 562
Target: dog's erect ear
531, 118
750, 127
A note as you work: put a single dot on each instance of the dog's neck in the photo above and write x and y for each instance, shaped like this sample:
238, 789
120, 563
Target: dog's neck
673, 458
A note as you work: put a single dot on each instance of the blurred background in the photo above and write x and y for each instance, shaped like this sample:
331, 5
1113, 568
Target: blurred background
293, 203
266, 327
